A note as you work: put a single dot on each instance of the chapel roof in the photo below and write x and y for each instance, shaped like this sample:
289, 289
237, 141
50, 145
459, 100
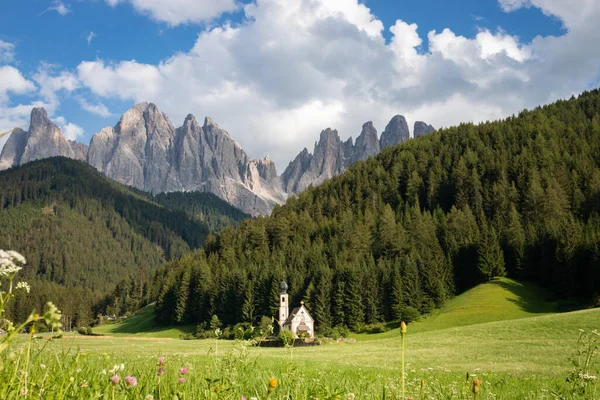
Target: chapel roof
296, 311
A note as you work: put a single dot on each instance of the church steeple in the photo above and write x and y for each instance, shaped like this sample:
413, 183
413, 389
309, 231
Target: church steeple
284, 308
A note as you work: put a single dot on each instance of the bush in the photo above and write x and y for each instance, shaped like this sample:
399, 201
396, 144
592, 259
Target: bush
286, 337
337, 332
243, 331
377, 327
410, 314
87, 331
187, 336
265, 327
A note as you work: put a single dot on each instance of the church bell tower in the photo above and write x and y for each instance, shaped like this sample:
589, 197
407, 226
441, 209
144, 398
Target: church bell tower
284, 309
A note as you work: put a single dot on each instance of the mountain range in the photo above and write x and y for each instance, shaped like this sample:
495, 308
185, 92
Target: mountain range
146, 151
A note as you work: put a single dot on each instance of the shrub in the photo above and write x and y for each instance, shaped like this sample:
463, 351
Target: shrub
265, 327
410, 314
286, 337
377, 327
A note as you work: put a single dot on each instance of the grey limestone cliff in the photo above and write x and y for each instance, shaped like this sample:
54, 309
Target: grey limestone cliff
395, 132
367, 143
421, 128
43, 139
146, 151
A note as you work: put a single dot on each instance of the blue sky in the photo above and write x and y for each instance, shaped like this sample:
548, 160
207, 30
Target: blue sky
275, 84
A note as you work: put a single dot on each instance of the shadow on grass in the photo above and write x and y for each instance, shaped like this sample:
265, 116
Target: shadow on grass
530, 298
143, 322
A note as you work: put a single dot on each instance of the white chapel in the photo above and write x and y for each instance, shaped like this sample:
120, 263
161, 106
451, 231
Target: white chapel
299, 320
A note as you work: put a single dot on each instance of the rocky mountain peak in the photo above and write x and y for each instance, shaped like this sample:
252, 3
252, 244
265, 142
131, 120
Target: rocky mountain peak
208, 121
13, 149
145, 150
367, 143
44, 139
39, 116
421, 128
395, 132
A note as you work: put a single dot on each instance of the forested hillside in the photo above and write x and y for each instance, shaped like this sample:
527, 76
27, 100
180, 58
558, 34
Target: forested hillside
204, 207
399, 234
83, 233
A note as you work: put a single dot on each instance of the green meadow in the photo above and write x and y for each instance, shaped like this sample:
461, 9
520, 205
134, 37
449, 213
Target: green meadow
504, 333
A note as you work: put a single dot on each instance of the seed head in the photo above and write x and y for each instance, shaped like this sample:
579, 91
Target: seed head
403, 328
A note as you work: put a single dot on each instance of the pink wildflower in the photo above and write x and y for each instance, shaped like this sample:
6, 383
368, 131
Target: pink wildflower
115, 379
181, 380
131, 381
162, 361
183, 371
160, 372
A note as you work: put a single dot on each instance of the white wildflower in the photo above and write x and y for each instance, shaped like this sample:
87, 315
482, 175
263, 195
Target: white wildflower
43, 366
24, 285
588, 377
8, 262
17, 257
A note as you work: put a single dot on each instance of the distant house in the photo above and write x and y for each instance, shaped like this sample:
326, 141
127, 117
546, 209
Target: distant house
299, 320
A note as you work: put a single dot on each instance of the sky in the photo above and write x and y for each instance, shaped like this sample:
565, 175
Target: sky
274, 73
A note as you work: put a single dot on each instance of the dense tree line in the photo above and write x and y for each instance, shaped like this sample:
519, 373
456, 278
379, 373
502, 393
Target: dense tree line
399, 234
205, 207
90, 242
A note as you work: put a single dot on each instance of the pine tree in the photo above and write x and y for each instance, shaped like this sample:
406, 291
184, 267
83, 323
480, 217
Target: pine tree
248, 308
182, 296
491, 256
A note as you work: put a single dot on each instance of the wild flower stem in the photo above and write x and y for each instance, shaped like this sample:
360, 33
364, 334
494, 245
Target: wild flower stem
403, 333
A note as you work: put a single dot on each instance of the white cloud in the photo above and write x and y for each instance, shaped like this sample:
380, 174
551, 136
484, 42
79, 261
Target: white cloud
90, 37
294, 67
60, 8
69, 129
50, 85
12, 81
512, 5
7, 52
177, 12
98, 109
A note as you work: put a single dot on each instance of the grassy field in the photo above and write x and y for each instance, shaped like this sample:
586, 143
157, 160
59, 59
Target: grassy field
523, 355
500, 300
142, 325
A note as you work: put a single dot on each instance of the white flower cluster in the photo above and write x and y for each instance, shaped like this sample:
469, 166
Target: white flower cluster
10, 262
23, 285
588, 377
117, 368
